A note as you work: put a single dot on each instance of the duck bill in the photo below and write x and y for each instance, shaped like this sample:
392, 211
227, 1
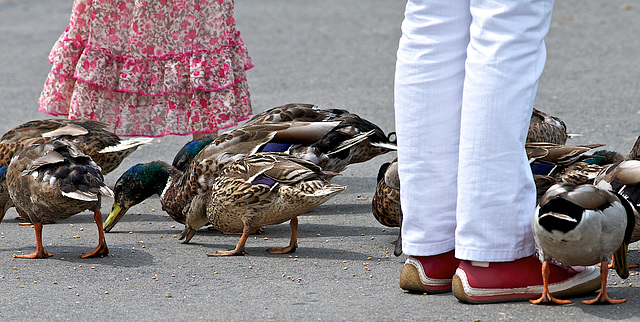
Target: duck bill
116, 214
187, 234
620, 261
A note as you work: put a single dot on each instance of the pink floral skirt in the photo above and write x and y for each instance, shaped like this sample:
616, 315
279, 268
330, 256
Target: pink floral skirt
150, 68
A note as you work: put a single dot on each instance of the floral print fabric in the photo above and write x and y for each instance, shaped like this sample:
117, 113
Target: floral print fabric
150, 67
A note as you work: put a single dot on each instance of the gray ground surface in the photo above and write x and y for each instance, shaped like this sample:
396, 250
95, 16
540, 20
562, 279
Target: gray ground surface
339, 54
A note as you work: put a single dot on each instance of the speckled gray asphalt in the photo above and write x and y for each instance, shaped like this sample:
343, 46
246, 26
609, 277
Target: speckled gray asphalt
338, 54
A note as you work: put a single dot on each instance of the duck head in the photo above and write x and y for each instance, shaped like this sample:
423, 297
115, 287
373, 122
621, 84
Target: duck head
140, 182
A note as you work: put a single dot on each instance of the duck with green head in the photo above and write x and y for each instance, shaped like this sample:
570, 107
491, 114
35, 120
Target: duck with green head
327, 144
140, 182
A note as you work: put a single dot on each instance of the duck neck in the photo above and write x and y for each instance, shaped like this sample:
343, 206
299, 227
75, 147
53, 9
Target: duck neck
175, 196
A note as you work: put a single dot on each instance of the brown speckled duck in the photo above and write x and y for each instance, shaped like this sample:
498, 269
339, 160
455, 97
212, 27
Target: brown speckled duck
287, 113
350, 127
576, 164
385, 204
546, 128
53, 181
260, 190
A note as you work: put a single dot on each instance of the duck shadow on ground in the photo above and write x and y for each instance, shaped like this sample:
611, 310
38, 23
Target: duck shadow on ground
624, 311
118, 256
305, 230
315, 241
328, 253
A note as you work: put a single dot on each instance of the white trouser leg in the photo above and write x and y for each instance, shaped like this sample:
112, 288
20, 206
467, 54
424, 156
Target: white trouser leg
496, 192
428, 98
492, 194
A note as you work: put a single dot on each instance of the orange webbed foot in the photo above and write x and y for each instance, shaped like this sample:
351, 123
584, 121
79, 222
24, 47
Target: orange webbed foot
100, 251
283, 250
233, 252
603, 298
239, 250
548, 299
607, 301
37, 254
293, 243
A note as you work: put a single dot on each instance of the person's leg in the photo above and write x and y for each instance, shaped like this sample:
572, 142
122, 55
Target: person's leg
428, 98
496, 191
428, 95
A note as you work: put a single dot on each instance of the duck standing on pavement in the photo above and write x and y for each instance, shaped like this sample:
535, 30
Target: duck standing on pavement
582, 225
54, 181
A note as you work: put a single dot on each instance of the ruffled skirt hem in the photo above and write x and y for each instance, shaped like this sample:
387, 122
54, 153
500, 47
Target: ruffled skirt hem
147, 78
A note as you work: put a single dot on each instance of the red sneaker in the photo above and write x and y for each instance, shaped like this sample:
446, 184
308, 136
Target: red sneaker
520, 280
428, 274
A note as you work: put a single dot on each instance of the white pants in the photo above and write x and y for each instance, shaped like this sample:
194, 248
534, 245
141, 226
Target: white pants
466, 79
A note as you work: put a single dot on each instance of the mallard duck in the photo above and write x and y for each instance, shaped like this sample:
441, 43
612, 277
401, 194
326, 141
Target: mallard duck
260, 190
176, 187
577, 164
583, 225
104, 147
53, 181
281, 114
545, 158
140, 182
586, 171
349, 128
302, 139
331, 138
332, 145
385, 204
546, 128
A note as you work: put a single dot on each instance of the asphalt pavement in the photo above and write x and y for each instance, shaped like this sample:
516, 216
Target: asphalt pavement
339, 54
